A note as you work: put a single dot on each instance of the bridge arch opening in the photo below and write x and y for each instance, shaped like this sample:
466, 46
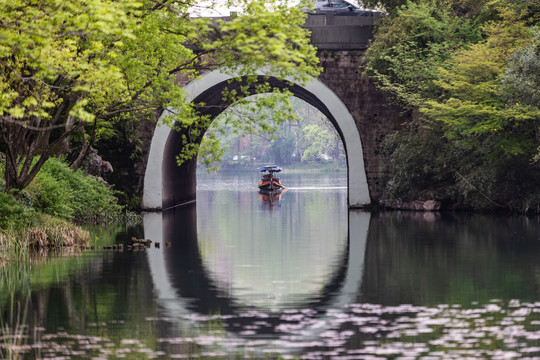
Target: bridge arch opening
167, 185
310, 138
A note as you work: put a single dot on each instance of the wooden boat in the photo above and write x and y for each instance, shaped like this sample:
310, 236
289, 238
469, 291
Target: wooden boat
269, 183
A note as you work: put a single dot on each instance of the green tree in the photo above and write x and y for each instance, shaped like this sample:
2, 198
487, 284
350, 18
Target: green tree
519, 84
472, 85
471, 108
410, 47
74, 68
319, 141
54, 58
281, 147
499, 134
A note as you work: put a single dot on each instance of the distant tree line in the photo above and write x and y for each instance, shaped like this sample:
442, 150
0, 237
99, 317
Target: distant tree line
307, 138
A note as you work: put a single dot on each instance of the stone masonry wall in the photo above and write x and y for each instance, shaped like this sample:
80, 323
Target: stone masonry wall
374, 115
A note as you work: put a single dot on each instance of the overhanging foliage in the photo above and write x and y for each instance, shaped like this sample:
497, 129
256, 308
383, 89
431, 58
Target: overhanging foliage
74, 69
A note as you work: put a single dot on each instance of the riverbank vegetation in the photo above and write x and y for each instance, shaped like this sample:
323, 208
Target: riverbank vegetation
43, 214
469, 73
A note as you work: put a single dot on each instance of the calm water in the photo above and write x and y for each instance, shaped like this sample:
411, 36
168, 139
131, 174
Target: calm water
239, 275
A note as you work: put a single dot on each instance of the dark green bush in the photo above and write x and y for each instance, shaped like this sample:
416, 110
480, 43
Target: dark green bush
16, 207
420, 160
51, 195
59, 191
425, 165
14, 212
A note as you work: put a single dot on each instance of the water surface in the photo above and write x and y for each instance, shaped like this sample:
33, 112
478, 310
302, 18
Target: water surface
240, 275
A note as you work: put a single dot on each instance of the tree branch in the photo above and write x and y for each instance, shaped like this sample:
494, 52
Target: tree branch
9, 120
474, 187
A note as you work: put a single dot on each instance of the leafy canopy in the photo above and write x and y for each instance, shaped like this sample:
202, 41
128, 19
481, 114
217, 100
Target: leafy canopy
469, 73
410, 47
473, 107
71, 68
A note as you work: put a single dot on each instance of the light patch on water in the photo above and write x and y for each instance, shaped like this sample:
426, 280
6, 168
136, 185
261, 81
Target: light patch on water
304, 188
366, 331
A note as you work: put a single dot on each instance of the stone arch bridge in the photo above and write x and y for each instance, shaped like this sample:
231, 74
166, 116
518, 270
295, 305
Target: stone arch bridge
361, 114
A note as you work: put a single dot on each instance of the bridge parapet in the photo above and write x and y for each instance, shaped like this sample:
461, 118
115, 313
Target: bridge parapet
341, 32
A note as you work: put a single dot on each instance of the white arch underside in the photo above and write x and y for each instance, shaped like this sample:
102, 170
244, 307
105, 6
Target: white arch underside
358, 192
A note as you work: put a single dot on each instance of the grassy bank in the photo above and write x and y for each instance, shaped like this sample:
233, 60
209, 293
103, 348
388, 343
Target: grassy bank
51, 210
51, 232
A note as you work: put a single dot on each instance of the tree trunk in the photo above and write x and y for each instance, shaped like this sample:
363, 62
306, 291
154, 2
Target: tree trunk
85, 146
23, 147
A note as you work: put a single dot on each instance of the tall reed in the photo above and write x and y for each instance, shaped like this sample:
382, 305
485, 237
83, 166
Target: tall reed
13, 246
13, 328
52, 232
15, 269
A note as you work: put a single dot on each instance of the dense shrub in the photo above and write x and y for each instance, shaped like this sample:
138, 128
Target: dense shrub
14, 212
16, 207
425, 165
51, 196
59, 191
420, 164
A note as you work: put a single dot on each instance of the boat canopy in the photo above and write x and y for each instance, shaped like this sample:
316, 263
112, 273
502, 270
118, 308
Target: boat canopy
270, 168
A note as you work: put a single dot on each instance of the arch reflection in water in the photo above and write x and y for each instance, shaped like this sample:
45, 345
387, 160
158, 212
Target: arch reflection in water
271, 259
191, 280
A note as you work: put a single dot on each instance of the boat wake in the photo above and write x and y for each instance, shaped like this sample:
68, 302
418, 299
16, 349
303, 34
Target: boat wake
317, 188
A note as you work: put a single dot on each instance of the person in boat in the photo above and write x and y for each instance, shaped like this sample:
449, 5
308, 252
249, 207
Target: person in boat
269, 182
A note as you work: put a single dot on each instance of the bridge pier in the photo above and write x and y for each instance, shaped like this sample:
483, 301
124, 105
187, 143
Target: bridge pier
374, 114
